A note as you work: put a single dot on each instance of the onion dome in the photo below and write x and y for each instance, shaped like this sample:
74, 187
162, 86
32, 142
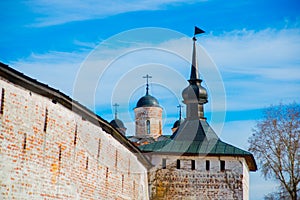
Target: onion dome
116, 123
195, 93
147, 101
177, 123
180, 120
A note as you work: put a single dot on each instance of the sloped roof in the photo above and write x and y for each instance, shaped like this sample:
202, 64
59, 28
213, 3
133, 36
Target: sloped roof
196, 137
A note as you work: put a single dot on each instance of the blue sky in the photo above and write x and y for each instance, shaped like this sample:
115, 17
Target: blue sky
248, 57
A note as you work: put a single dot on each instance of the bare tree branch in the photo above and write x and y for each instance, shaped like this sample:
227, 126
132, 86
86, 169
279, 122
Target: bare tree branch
275, 143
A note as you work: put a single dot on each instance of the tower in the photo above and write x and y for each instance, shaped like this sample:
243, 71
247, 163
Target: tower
194, 162
148, 115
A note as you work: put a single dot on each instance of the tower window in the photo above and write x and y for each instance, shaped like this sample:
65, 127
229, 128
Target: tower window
164, 163
148, 126
222, 165
193, 167
178, 164
207, 165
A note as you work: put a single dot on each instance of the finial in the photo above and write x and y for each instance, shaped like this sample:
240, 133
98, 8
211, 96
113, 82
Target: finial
116, 109
147, 85
179, 106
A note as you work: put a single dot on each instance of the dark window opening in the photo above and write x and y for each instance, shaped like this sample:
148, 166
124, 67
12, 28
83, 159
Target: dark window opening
164, 163
148, 126
178, 164
59, 153
222, 165
2, 101
106, 173
122, 182
25, 141
87, 163
75, 136
46, 120
193, 167
207, 163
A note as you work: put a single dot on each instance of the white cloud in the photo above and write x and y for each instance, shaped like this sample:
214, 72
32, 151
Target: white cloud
258, 68
58, 12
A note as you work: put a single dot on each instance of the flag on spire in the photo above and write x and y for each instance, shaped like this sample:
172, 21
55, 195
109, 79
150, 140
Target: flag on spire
198, 31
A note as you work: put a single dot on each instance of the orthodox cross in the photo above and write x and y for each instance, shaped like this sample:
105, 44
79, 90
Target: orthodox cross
116, 109
147, 85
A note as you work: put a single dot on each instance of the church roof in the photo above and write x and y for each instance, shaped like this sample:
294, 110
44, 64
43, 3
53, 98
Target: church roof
147, 101
214, 147
194, 136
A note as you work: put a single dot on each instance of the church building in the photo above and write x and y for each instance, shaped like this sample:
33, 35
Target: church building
192, 163
52, 147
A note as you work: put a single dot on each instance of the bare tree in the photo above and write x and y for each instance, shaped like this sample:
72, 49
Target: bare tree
276, 145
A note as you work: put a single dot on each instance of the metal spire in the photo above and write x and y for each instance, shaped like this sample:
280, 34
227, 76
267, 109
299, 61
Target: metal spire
116, 110
147, 85
194, 67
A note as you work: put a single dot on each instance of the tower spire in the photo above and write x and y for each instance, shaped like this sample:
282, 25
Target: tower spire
195, 95
194, 68
147, 83
116, 110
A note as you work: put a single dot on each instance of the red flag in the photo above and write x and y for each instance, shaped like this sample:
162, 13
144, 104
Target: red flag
198, 31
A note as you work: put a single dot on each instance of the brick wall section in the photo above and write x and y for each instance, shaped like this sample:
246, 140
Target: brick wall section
185, 183
154, 115
49, 152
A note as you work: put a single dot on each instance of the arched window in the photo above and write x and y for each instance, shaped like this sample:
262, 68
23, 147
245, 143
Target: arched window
148, 126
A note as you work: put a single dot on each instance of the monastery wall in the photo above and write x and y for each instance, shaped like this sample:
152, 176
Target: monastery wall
196, 177
47, 151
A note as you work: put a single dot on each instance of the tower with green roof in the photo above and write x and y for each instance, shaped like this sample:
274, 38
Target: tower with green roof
195, 163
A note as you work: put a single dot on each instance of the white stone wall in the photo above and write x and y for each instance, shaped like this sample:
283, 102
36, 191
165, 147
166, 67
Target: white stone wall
185, 183
49, 152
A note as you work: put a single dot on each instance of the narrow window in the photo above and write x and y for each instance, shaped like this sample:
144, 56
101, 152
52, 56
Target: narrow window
129, 167
46, 120
25, 141
2, 101
207, 165
59, 158
116, 159
222, 165
178, 164
87, 163
99, 147
148, 126
122, 182
59, 153
75, 136
164, 163
193, 167
106, 174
